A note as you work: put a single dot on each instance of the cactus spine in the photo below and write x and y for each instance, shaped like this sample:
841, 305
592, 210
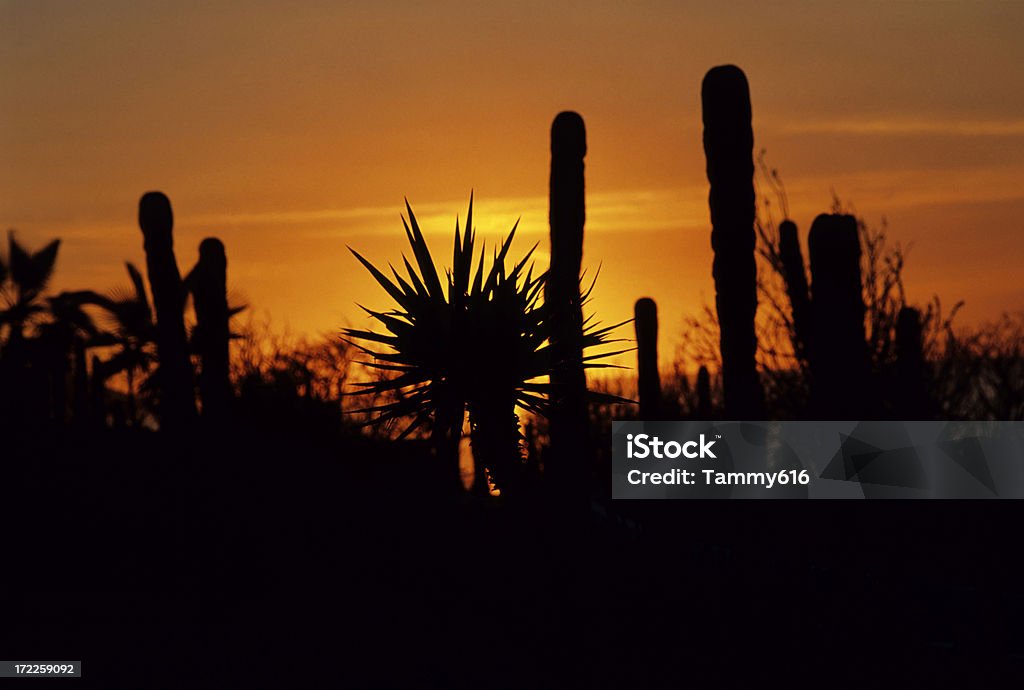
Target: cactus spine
645, 314
728, 148
177, 397
839, 363
208, 283
567, 214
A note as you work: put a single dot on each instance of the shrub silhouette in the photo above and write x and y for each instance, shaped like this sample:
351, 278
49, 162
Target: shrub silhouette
26, 368
441, 345
67, 329
177, 395
703, 393
482, 346
133, 332
424, 361
645, 315
912, 400
728, 148
29, 273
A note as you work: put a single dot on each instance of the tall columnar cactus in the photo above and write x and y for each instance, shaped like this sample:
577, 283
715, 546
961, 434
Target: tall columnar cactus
796, 287
839, 358
645, 319
911, 394
728, 148
177, 396
208, 284
703, 394
567, 213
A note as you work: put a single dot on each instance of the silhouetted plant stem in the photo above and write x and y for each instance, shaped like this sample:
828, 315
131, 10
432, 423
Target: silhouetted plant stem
728, 147
445, 435
177, 396
495, 440
208, 283
839, 358
911, 395
795, 276
98, 393
645, 314
567, 214
703, 393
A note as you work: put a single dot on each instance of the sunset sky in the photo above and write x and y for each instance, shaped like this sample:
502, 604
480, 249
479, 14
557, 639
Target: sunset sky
292, 129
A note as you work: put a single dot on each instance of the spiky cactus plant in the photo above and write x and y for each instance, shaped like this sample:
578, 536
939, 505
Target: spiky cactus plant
645, 318
567, 214
208, 284
481, 347
177, 396
728, 148
795, 276
839, 358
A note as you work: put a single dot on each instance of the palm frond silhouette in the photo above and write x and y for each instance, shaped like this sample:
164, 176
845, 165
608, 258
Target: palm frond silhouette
29, 273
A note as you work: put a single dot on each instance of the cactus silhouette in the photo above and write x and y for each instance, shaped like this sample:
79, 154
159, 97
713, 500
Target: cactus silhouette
208, 284
567, 213
645, 314
728, 148
795, 277
703, 393
839, 362
177, 396
911, 396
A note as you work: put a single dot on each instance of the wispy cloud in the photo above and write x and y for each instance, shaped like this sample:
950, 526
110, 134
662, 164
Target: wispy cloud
882, 191
609, 211
911, 126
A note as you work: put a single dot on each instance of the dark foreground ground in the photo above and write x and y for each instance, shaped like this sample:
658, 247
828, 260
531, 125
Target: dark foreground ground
271, 564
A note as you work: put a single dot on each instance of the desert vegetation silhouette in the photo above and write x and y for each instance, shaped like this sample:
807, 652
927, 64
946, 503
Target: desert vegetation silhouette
832, 337
442, 338
219, 469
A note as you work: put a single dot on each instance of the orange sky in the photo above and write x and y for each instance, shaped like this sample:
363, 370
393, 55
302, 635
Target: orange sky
292, 129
